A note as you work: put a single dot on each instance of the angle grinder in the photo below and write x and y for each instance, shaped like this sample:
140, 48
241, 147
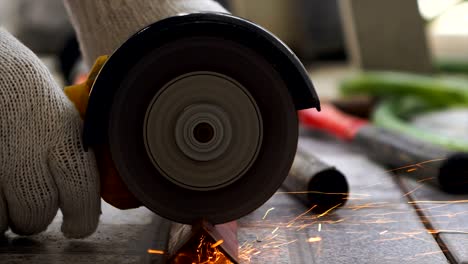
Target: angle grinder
196, 116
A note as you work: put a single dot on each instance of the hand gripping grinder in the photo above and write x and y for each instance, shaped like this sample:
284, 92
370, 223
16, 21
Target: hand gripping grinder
195, 117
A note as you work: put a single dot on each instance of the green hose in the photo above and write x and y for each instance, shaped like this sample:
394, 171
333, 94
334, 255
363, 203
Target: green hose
451, 66
435, 91
385, 116
405, 95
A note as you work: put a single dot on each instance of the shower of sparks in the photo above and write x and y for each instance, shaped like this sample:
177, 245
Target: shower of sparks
267, 212
301, 215
274, 244
277, 244
365, 219
202, 251
208, 253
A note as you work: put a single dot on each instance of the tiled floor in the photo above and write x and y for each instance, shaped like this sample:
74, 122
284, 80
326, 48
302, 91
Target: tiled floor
377, 225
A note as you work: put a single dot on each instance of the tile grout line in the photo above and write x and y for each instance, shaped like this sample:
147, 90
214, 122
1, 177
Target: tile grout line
425, 221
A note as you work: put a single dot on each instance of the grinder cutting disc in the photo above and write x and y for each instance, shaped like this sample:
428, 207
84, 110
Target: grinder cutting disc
201, 121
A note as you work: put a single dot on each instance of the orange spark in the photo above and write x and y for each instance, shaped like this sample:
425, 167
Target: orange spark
286, 243
439, 202
426, 179
384, 214
412, 191
432, 231
266, 213
301, 215
314, 239
156, 251
328, 211
271, 237
219, 242
428, 253
390, 239
276, 229
368, 205
416, 164
328, 193
380, 221
355, 232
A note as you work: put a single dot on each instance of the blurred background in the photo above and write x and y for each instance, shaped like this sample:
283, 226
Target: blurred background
334, 39
312, 28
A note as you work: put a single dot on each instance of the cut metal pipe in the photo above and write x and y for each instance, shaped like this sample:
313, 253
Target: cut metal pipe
317, 184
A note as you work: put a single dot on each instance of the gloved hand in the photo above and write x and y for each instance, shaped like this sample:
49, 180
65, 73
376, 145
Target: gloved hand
43, 164
102, 26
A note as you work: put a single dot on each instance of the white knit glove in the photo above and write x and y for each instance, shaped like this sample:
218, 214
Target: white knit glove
103, 25
43, 164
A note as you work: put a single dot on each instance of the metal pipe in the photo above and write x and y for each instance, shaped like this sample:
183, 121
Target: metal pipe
316, 183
